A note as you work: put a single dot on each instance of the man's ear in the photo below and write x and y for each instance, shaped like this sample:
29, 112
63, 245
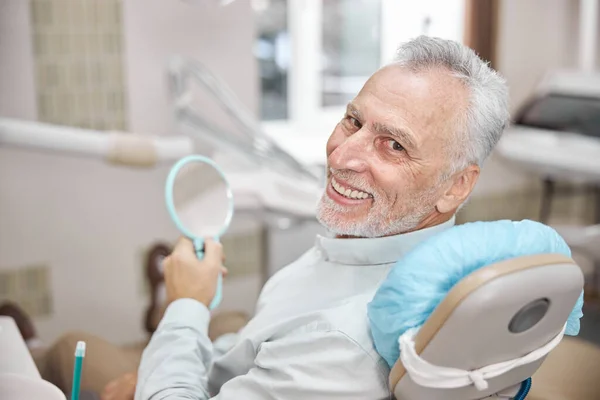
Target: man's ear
461, 186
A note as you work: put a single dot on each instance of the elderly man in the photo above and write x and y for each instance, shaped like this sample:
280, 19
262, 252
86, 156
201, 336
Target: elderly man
401, 161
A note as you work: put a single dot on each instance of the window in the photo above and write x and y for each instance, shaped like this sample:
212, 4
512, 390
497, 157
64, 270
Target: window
350, 48
272, 51
315, 55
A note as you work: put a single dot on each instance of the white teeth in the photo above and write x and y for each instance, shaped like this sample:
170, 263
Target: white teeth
336, 186
352, 194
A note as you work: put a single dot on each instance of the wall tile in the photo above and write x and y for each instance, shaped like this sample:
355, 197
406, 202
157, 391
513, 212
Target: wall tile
79, 57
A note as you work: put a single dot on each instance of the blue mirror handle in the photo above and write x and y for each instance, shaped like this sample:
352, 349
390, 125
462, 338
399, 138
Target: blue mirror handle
199, 247
218, 294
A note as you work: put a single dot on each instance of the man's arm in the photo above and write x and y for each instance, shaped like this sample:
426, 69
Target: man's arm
303, 366
176, 361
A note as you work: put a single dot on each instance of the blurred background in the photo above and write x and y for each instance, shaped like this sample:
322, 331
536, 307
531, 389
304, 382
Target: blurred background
76, 227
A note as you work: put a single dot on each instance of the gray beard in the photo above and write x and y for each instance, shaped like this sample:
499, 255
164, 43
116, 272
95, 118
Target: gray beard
375, 224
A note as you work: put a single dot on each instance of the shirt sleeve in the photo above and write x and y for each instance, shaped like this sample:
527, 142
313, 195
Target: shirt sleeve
304, 365
175, 363
224, 343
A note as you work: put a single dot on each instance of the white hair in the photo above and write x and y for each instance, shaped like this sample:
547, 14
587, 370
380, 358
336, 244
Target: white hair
487, 115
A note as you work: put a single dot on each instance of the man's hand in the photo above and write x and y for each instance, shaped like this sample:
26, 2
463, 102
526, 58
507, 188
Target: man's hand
122, 388
188, 277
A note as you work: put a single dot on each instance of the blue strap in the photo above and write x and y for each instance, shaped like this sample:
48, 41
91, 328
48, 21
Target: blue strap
524, 390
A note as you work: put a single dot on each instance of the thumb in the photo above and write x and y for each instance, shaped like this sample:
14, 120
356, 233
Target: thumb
213, 252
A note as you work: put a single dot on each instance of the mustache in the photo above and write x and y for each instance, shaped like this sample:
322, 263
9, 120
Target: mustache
353, 179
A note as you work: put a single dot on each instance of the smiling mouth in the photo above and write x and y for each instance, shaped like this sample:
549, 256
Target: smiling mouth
349, 193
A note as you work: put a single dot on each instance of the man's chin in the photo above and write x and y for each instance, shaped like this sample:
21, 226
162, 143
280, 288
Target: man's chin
330, 219
340, 226
343, 221
338, 229
343, 224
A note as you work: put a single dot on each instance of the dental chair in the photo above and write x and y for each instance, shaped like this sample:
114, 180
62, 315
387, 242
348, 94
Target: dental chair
472, 312
498, 313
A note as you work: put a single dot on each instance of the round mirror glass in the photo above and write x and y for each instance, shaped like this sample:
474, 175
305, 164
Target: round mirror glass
202, 203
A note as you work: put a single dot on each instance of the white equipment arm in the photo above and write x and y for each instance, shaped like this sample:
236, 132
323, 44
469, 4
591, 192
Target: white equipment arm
250, 142
115, 147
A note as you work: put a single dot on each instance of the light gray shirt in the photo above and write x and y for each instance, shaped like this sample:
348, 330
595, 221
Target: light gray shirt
309, 339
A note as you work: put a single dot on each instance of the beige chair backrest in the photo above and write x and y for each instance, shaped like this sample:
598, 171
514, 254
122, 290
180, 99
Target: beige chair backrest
469, 329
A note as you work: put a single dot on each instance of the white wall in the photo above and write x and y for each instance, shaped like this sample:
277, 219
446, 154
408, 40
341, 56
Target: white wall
17, 88
219, 37
92, 222
535, 36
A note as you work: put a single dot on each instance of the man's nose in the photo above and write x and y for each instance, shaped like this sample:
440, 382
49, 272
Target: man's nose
352, 154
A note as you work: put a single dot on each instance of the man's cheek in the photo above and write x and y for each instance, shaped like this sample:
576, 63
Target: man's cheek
390, 191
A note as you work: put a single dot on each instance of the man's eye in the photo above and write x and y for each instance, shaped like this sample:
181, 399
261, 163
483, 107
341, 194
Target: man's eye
355, 122
395, 145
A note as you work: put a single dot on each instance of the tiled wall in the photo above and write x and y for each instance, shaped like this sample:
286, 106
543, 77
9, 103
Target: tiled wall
246, 252
29, 287
78, 59
577, 208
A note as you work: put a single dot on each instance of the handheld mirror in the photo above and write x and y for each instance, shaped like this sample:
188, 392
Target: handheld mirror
200, 202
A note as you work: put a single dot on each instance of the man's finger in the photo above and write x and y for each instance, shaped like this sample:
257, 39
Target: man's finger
184, 247
213, 251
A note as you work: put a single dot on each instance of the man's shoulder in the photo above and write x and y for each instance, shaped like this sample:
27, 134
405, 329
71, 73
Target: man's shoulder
350, 318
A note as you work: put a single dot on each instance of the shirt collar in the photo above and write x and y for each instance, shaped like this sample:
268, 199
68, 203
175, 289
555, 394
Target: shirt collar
383, 250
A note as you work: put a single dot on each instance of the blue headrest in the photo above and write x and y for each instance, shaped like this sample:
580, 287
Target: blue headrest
421, 280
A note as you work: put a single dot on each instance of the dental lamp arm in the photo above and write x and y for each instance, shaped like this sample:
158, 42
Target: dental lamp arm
253, 144
114, 147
